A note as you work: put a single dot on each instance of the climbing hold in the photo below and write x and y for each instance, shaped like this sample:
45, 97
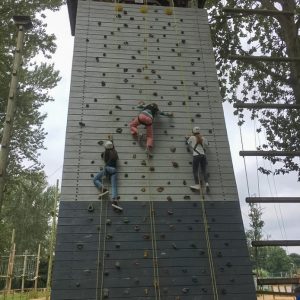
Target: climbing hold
210, 131
170, 212
143, 190
110, 112
146, 291
146, 254
174, 246
186, 197
79, 246
219, 254
109, 237
103, 83
119, 7
168, 11
125, 80
87, 40
175, 164
125, 25
118, 245
152, 169
131, 18
100, 143
183, 103
81, 124
229, 264
99, 23
126, 175
92, 162
143, 9
108, 221
173, 50
193, 246
184, 182
183, 41
118, 107
104, 54
169, 182
160, 189
169, 198
117, 265
125, 220
173, 68
155, 94
185, 290
175, 87
125, 12
143, 163
162, 235
194, 279
136, 228
97, 59
136, 280
146, 236
170, 103
119, 130
92, 175
198, 115
87, 105
146, 77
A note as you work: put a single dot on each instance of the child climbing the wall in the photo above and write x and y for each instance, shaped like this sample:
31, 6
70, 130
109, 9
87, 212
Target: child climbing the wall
110, 157
198, 144
146, 118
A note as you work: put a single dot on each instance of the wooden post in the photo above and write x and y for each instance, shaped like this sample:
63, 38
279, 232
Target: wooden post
24, 271
37, 268
52, 239
23, 23
10, 266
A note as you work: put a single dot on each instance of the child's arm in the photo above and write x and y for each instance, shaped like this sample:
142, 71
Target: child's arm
141, 105
162, 113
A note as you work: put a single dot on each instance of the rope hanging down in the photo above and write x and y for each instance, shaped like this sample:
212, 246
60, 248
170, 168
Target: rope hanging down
201, 194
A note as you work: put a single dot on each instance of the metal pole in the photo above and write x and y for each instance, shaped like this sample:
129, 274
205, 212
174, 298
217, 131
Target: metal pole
23, 23
52, 240
24, 271
37, 268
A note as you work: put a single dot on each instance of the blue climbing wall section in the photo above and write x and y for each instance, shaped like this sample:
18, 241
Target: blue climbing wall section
169, 243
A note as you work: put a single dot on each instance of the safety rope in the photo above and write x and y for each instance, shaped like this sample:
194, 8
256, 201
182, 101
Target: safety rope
201, 194
103, 236
156, 281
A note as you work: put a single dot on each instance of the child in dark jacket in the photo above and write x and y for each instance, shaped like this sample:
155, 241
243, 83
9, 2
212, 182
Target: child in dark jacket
110, 157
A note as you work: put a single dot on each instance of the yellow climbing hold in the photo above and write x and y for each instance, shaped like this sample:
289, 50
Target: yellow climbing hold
144, 9
119, 7
169, 11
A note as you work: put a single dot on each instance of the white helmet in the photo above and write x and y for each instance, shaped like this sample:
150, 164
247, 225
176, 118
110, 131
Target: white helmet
196, 129
108, 145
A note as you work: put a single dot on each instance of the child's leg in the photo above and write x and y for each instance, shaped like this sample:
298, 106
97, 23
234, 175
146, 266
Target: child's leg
149, 129
133, 126
196, 162
203, 165
113, 179
98, 179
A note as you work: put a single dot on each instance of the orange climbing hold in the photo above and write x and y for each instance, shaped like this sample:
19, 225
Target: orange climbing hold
118, 7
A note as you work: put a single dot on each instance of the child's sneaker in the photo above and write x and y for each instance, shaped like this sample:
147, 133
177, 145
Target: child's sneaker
115, 205
195, 187
103, 192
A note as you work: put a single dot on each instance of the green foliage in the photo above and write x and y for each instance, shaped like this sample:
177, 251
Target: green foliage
29, 212
35, 80
258, 81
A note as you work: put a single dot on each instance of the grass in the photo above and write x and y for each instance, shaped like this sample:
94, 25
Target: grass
24, 296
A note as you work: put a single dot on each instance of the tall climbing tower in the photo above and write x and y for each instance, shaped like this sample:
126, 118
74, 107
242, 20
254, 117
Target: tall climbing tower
169, 242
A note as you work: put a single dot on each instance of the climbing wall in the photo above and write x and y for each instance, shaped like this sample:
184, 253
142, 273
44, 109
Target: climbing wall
169, 242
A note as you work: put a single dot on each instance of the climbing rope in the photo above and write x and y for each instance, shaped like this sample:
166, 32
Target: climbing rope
201, 194
101, 237
156, 281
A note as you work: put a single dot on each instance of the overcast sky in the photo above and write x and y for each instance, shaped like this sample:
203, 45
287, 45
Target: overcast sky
281, 221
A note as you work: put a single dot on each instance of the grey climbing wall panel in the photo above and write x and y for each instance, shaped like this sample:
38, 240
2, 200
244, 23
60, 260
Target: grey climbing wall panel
169, 243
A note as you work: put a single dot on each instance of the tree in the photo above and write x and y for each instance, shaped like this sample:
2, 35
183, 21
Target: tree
259, 81
255, 232
36, 79
29, 212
